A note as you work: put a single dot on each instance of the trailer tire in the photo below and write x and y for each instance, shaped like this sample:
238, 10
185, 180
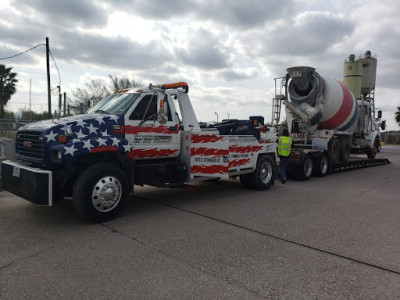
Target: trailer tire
334, 150
100, 192
321, 166
263, 176
305, 170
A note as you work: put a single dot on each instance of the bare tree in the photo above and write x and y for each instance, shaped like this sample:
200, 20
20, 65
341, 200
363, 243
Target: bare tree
124, 83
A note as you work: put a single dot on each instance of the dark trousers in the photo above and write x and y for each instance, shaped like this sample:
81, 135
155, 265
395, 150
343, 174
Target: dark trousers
283, 166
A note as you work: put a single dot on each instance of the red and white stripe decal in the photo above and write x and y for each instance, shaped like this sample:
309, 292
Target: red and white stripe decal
214, 169
197, 139
154, 152
203, 151
104, 149
244, 149
238, 162
343, 113
162, 129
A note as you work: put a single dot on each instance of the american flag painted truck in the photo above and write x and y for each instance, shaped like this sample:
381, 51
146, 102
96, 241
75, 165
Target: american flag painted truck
133, 137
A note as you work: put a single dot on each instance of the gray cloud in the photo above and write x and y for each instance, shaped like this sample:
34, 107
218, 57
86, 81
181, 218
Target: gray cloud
234, 74
239, 14
116, 52
204, 50
60, 13
310, 33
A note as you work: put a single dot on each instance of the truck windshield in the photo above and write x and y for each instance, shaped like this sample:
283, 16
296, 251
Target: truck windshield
116, 104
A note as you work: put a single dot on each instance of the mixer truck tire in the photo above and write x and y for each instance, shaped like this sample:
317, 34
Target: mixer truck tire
371, 153
100, 192
334, 150
378, 145
263, 176
345, 149
305, 170
321, 166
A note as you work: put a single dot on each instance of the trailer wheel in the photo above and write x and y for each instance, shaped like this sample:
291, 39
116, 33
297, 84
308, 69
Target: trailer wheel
321, 166
306, 168
334, 150
263, 176
100, 192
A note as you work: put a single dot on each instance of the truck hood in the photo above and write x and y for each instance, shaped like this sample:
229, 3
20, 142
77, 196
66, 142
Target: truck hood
77, 127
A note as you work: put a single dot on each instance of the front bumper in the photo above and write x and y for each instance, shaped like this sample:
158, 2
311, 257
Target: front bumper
32, 184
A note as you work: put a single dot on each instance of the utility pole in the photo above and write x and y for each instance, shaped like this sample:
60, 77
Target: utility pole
30, 94
48, 78
59, 97
65, 103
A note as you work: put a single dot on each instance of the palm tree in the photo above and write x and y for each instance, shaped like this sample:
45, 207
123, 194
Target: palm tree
398, 115
7, 87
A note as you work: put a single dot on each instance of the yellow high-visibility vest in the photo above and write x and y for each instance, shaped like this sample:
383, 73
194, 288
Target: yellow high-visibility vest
284, 145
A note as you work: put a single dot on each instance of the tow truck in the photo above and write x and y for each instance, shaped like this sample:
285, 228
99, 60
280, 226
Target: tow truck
133, 137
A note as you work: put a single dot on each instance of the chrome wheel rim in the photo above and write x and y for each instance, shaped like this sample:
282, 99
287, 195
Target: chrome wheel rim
106, 193
308, 167
324, 165
265, 172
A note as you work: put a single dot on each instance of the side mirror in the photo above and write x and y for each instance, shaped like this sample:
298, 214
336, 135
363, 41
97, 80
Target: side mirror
162, 108
383, 125
379, 114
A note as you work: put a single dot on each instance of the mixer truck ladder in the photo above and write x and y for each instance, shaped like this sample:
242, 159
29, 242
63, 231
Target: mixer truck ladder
277, 100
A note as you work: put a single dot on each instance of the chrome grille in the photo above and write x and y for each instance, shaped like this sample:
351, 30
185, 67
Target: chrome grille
30, 144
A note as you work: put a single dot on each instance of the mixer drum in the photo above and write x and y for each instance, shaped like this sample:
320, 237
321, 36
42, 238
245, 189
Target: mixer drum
340, 107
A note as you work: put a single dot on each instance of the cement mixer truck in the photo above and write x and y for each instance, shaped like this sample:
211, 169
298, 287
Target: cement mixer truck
329, 120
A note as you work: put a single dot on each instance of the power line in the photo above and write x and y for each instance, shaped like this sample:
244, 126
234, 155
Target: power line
3, 58
59, 76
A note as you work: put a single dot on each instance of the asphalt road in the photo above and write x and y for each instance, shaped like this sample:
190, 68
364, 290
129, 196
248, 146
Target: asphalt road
336, 237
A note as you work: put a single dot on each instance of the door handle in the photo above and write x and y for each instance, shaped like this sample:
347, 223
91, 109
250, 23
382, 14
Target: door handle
173, 128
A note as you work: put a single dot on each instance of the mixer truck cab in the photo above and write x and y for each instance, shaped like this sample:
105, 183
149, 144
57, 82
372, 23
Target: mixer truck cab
134, 137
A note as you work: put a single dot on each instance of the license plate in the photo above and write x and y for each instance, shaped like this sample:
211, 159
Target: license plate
16, 171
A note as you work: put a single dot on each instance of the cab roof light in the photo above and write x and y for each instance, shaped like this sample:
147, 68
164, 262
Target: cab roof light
176, 85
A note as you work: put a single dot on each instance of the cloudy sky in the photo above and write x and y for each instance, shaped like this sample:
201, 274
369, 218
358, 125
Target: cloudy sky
229, 51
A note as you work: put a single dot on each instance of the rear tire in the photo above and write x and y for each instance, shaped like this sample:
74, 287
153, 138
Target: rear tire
263, 176
321, 166
334, 150
305, 170
100, 192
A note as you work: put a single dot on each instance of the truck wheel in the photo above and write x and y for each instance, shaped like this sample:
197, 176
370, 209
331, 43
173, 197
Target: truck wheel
345, 150
378, 145
100, 192
263, 176
321, 166
371, 153
306, 168
334, 150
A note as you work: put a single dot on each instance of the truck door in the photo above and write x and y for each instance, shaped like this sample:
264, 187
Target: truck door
149, 138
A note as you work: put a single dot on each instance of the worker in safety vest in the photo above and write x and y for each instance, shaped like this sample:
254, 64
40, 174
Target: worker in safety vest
284, 146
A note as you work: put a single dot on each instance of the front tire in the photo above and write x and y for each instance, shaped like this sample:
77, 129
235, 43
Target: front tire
100, 192
371, 153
